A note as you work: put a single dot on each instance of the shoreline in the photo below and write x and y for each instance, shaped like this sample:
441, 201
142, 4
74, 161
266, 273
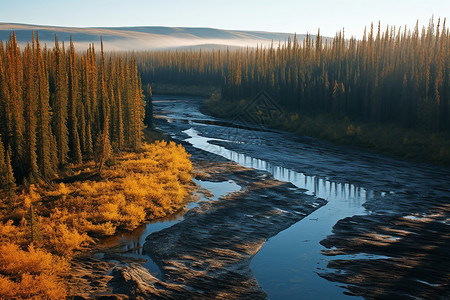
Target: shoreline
167, 249
388, 139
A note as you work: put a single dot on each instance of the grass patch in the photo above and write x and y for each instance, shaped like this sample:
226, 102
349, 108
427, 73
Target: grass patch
43, 226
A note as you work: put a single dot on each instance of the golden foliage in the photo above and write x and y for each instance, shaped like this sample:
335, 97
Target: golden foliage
30, 274
148, 184
14, 261
63, 240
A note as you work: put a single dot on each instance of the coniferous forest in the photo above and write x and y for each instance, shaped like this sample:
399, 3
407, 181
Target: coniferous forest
85, 168
394, 76
57, 106
74, 163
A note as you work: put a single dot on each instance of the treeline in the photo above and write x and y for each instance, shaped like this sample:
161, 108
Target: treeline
183, 67
389, 76
58, 106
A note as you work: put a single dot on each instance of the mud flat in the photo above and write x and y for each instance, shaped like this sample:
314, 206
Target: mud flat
394, 246
416, 247
209, 253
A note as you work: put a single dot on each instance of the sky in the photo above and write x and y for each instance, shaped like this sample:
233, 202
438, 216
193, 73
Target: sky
293, 16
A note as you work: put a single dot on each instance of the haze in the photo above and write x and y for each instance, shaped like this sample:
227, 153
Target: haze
275, 16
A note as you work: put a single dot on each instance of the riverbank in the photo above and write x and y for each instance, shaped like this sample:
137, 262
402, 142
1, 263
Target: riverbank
390, 139
119, 276
208, 254
212, 245
392, 191
184, 90
61, 220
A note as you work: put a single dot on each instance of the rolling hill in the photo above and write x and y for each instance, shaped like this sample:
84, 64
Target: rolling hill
147, 37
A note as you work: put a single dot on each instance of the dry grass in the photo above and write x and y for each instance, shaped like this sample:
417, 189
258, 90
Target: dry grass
139, 186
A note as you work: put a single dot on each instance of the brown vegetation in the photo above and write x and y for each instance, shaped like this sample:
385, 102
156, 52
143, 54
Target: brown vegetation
67, 216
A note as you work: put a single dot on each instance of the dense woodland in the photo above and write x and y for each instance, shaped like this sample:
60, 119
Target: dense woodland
61, 110
393, 75
58, 106
63, 115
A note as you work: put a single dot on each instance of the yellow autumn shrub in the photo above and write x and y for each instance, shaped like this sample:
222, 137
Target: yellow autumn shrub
63, 240
32, 274
140, 186
28, 286
14, 261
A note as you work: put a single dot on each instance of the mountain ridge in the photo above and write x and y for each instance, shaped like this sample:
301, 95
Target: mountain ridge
127, 38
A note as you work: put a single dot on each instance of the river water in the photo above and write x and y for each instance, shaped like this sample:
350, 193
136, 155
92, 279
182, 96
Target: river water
351, 180
286, 265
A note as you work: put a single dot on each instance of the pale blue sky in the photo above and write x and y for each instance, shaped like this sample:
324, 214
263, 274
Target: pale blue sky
281, 15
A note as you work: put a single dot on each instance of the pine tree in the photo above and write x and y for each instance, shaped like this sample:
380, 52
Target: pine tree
148, 120
60, 105
43, 131
103, 146
89, 103
118, 127
3, 167
15, 103
103, 101
81, 109
29, 95
10, 182
74, 139
112, 114
35, 231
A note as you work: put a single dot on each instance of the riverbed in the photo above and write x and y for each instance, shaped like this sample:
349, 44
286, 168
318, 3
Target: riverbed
354, 182
288, 217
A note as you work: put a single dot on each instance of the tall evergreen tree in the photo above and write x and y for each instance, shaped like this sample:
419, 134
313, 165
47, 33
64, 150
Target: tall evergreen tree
3, 167
43, 130
30, 108
74, 139
148, 120
103, 146
60, 105
14, 137
10, 182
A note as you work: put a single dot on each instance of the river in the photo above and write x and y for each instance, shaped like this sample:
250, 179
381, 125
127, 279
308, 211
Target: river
352, 181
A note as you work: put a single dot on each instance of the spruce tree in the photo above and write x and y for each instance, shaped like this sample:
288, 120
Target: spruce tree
35, 231
3, 167
30, 107
74, 139
148, 120
118, 127
14, 77
60, 105
103, 146
43, 130
10, 182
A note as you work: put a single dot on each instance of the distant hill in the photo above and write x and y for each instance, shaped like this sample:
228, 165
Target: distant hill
146, 38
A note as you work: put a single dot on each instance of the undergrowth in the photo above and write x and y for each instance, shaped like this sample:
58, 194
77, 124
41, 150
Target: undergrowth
43, 227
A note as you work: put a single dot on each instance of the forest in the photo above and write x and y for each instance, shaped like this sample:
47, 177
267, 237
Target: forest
75, 165
393, 79
54, 106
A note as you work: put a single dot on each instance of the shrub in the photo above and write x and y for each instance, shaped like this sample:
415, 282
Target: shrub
30, 274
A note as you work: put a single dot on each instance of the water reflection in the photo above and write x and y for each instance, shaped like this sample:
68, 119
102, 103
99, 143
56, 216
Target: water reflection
218, 189
130, 243
313, 185
287, 265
